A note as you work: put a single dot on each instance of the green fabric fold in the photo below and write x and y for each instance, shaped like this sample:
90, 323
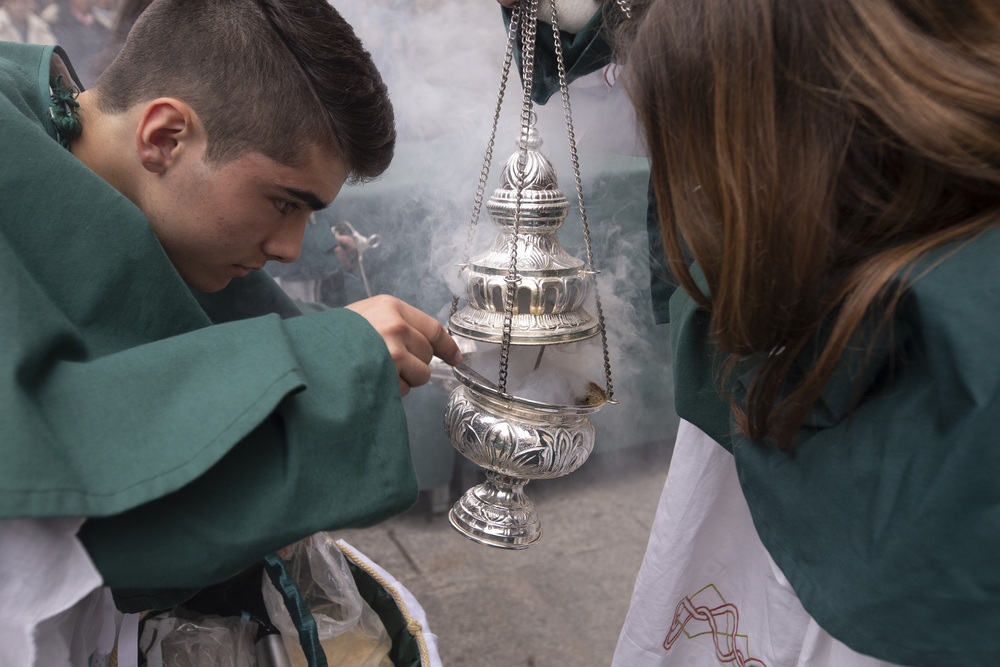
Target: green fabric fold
299, 612
697, 366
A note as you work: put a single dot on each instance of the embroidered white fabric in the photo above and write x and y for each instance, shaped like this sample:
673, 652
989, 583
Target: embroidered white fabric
708, 593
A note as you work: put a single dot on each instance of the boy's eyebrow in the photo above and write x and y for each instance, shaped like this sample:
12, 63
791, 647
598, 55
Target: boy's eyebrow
308, 198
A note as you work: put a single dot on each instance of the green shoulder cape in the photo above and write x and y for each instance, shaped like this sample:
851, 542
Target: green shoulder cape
886, 520
195, 447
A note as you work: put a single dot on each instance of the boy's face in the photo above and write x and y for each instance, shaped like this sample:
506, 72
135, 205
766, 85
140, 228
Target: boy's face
220, 221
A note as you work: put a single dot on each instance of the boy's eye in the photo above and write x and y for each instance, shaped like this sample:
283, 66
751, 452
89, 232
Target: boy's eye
284, 206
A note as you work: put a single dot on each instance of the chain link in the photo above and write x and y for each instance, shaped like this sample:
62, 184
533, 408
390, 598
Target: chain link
626, 8
528, 36
525, 25
574, 159
484, 173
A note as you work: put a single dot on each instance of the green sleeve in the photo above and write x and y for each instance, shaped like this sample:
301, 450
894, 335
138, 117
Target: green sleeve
332, 455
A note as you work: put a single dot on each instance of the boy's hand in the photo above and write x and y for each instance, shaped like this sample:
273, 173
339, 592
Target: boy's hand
412, 336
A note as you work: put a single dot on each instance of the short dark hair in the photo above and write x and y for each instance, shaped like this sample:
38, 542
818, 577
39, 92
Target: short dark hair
267, 76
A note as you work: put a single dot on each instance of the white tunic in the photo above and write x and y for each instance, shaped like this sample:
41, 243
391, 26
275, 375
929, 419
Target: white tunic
708, 593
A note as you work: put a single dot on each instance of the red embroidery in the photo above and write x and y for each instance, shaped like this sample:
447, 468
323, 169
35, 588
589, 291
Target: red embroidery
723, 621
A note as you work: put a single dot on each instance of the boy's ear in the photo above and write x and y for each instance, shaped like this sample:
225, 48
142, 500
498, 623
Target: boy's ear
166, 128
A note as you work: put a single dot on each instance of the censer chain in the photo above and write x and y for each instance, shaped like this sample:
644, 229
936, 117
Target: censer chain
528, 35
626, 8
488, 157
574, 159
525, 25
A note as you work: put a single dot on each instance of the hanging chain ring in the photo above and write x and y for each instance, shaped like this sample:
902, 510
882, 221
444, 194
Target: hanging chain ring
626, 7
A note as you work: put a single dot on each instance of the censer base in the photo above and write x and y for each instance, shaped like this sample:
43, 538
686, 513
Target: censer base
497, 513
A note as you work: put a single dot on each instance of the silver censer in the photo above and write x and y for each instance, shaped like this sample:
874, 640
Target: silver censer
527, 293
517, 439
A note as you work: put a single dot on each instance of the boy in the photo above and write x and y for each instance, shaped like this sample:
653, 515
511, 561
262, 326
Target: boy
191, 449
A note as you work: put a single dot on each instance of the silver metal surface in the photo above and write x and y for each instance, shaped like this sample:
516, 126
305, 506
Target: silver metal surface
515, 440
551, 286
525, 291
497, 513
270, 652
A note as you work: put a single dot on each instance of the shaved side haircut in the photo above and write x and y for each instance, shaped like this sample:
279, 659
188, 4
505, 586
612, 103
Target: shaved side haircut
268, 76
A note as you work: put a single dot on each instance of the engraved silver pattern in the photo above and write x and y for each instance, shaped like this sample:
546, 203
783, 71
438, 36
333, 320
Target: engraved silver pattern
551, 286
515, 440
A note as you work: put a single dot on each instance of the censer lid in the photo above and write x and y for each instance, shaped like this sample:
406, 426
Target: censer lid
551, 286
542, 203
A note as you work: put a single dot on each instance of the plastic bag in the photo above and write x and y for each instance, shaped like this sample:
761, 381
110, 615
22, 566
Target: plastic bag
350, 632
189, 640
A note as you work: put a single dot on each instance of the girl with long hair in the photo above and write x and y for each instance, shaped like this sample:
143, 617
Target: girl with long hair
832, 168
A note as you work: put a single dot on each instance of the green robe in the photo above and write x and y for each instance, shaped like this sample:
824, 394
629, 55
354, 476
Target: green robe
885, 520
196, 448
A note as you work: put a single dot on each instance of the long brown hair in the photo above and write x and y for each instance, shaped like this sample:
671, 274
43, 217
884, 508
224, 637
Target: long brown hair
805, 153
